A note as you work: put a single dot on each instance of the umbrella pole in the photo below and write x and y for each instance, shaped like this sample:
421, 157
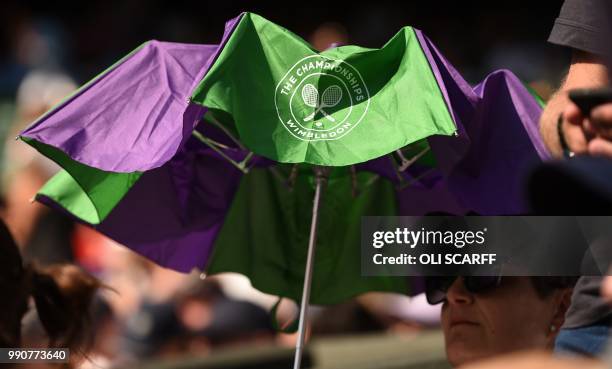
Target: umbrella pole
299, 347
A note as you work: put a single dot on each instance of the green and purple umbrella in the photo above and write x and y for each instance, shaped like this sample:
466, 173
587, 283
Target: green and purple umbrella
212, 156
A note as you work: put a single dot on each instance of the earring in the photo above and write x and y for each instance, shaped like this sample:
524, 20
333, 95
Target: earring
553, 328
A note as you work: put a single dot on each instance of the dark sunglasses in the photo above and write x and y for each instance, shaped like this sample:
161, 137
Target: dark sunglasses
437, 287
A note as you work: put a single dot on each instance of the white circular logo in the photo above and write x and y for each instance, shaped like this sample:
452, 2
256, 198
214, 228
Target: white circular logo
321, 98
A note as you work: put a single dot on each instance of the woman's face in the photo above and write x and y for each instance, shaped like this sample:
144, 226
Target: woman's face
507, 318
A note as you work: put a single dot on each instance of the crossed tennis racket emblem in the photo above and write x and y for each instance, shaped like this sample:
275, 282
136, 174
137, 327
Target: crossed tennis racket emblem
330, 98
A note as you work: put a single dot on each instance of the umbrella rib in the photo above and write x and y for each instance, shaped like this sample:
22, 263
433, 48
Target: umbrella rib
406, 163
211, 118
241, 166
216, 143
277, 174
245, 162
413, 180
299, 347
354, 189
292, 176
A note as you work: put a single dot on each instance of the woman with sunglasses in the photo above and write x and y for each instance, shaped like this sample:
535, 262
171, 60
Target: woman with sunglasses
487, 316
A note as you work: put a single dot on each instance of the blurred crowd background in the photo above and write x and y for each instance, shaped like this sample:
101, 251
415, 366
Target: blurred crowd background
48, 49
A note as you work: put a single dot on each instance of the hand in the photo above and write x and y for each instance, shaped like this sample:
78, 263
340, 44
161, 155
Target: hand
606, 289
576, 129
600, 126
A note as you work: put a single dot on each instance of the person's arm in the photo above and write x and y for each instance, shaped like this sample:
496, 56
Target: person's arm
586, 71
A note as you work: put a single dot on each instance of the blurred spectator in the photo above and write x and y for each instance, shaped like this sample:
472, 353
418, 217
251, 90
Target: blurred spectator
33, 44
104, 345
412, 311
194, 305
153, 331
376, 312
329, 34
213, 320
200, 320
44, 235
346, 319
62, 294
236, 323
